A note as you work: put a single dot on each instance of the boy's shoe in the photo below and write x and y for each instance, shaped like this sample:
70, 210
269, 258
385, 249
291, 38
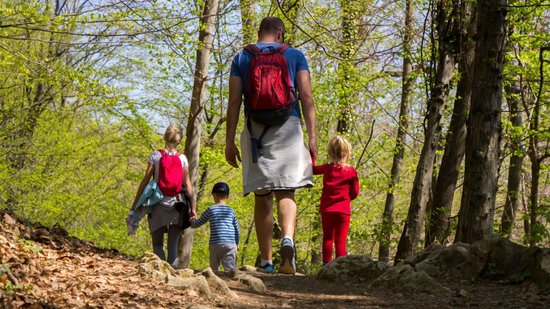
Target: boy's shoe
267, 268
288, 265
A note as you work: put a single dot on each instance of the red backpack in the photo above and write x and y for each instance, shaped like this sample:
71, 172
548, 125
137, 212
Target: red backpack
170, 174
270, 96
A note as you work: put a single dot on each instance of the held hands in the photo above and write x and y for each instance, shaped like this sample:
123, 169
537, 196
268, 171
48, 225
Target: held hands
313, 150
232, 155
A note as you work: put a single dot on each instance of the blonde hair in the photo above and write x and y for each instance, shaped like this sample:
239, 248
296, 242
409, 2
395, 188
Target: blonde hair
173, 134
339, 149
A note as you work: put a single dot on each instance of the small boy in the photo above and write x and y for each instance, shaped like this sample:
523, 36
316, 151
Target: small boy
224, 229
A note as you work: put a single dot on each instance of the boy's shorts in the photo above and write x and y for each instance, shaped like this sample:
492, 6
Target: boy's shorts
226, 254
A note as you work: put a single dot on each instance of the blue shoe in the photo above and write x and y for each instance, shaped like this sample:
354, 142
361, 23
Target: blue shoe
288, 264
267, 268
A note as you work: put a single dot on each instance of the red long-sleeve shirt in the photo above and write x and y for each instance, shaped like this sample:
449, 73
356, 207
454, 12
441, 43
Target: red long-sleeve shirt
340, 187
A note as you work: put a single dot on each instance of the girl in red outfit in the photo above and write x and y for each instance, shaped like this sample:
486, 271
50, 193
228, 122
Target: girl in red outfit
340, 186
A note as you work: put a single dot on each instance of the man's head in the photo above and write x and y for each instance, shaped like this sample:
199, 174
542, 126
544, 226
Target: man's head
272, 29
220, 191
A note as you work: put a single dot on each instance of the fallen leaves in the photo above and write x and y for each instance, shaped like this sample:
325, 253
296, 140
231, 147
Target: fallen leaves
55, 270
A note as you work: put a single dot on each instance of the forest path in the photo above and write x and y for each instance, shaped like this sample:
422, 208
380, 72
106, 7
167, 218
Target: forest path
53, 270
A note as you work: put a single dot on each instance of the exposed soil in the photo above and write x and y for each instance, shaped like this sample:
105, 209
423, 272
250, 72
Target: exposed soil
57, 271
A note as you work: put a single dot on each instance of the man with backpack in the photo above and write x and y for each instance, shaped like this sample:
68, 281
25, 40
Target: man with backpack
274, 79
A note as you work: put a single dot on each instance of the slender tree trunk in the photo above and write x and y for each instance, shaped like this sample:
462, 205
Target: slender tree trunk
430, 203
533, 202
207, 24
399, 150
475, 219
350, 14
536, 156
516, 163
198, 98
436, 105
454, 145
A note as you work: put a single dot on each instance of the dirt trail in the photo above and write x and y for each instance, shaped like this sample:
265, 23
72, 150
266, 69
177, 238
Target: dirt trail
57, 271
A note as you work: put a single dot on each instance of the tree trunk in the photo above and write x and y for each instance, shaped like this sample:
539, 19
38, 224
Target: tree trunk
198, 98
536, 157
516, 163
350, 16
533, 202
454, 145
430, 203
207, 25
475, 219
436, 105
399, 150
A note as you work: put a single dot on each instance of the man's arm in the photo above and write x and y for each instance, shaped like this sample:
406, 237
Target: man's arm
308, 107
233, 109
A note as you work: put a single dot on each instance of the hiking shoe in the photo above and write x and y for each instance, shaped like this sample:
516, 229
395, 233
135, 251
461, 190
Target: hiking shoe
267, 268
288, 265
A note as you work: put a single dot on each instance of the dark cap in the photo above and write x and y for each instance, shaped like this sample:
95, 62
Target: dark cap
221, 187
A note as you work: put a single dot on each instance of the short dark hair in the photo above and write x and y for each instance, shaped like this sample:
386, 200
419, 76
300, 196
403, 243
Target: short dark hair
271, 24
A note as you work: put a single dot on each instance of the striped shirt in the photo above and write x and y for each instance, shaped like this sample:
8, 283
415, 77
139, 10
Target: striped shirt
224, 227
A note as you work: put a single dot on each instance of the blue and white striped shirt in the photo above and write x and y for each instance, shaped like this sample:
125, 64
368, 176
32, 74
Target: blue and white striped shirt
224, 227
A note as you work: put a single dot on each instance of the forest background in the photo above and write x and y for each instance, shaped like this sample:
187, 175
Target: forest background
87, 88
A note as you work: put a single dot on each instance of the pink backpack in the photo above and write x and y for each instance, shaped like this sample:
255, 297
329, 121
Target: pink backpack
170, 174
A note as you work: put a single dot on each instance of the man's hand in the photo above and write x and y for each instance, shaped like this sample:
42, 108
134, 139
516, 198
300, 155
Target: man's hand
232, 154
313, 150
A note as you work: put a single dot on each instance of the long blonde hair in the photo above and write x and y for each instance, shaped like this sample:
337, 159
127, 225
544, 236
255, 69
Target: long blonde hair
339, 149
173, 135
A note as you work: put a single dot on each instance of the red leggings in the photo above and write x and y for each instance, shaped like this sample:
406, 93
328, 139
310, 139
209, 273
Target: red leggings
335, 229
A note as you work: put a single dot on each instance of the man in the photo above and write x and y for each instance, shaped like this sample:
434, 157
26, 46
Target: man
283, 164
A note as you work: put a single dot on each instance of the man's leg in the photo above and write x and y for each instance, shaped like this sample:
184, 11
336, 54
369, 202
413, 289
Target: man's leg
287, 220
263, 217
286, 209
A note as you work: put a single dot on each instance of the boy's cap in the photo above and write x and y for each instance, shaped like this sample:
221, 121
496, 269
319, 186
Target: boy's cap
221, 187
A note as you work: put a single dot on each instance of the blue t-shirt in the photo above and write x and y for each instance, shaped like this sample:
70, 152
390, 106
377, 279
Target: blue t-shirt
294, 58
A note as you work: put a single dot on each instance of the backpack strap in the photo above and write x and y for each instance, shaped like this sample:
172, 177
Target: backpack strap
255, 143
255, 50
